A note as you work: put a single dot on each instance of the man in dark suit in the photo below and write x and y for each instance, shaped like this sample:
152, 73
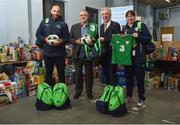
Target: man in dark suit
108, 28
78, 31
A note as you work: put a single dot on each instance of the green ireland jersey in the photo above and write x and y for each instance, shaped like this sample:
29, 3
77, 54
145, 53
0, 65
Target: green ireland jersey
122, 49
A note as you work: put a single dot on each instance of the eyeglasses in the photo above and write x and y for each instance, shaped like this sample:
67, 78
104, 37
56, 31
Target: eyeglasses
82, 15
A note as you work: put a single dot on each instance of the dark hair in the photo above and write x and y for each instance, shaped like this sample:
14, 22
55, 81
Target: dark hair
130, 12
54, 4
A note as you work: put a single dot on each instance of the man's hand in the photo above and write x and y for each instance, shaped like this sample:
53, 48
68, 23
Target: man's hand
122, 35
58, 42
46, 40
135, 35
78, 41
92, 41
102, 39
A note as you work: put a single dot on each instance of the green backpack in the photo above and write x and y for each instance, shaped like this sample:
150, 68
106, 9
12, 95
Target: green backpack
91, 52
60, 96
117, 105
112, 101
94, 52
92, 29
44, 97
103, 101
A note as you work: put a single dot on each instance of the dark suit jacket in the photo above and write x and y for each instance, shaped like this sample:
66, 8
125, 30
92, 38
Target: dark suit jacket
75, 34
113, 28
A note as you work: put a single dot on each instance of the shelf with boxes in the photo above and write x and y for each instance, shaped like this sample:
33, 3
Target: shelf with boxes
22, 81
167, 66
12, 62
20, 71
167, 51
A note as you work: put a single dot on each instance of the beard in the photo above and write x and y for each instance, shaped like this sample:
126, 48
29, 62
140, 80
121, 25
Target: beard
55, 16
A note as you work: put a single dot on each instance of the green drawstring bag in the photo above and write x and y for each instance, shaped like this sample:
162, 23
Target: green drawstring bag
44, 99
96, 50
103, 101
117, 105
60, 96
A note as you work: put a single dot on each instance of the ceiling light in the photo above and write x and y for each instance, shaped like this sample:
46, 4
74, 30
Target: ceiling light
171, 1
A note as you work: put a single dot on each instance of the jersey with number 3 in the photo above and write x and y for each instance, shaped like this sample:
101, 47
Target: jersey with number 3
122, 49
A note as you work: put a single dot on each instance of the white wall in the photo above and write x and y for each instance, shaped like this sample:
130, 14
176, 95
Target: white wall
117, 3
72, 8
14, 20
2, 22
37, 16
146, 11
149, 18
14, 16
174, 20
141, 9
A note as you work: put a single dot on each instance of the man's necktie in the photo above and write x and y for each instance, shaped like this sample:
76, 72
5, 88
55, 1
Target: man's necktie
105, 27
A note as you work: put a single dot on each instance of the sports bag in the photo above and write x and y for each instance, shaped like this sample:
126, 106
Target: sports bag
91, 52
96, 50
103, 102
117, 105
60, 96
44, 99
149, 47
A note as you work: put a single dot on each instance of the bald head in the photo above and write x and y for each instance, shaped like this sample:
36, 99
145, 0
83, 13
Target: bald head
55, 11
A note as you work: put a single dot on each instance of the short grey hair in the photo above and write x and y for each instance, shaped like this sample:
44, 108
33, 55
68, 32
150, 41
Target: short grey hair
85, 11
106, 8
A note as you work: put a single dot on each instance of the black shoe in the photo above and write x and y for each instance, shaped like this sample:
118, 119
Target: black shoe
90, 96
77, 95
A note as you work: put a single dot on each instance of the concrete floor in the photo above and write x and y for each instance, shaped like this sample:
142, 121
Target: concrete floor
163, 107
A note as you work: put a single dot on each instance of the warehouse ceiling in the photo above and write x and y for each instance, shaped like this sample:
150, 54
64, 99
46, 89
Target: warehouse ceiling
160, 3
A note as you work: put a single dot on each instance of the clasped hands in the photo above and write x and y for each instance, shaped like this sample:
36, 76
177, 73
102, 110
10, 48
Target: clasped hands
80, 42
135, 35
56, 43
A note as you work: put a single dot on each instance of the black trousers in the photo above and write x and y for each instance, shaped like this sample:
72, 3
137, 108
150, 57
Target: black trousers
109, 70
88, 66
49, 65
137, 71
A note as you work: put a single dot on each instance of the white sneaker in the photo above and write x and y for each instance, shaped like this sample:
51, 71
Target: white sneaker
140, 105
